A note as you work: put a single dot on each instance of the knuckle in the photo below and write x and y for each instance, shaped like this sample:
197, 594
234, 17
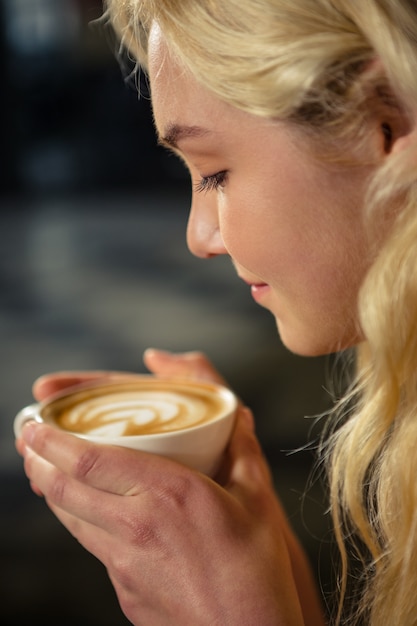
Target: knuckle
174, 499
86, 463
145, 533
139, 531
177, 492
121, 570
42, 436
138, 527
57, 489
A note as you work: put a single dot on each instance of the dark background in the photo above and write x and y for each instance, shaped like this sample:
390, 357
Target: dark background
94, 269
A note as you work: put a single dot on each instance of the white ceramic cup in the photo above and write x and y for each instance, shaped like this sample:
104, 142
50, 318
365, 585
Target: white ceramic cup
184, 420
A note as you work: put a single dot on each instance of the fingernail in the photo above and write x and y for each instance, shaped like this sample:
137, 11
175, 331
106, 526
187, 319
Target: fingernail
156, 352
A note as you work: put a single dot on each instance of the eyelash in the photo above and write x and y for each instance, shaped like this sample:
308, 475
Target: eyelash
211, 183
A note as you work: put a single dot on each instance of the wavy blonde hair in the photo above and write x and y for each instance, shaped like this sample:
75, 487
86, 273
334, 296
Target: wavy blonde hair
304, 60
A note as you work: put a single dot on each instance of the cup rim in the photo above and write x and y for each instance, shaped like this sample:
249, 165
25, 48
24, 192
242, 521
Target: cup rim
230, 398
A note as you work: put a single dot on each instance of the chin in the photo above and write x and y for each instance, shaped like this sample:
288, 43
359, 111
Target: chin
308, 344
307, 350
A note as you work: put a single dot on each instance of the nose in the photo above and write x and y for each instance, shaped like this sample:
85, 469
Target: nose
203, 231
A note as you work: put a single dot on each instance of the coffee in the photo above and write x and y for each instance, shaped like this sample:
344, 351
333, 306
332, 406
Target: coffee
187, 421
128, 409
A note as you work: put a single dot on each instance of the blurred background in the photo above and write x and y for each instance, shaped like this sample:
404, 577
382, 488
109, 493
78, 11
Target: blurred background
93, 270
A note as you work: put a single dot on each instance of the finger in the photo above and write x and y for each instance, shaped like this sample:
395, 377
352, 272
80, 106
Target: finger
22, 449
194, 365
249, 473
96, 540
113, 469
50, 384
79, 500
20, 446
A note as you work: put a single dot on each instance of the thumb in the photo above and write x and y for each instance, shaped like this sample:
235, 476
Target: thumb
194, 365
50, 384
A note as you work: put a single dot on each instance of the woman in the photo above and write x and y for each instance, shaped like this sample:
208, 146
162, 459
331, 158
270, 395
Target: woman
297, 123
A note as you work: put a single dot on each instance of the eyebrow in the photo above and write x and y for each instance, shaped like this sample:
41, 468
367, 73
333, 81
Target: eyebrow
176, 132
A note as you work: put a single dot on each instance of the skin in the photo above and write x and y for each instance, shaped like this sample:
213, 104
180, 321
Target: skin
291, 224
181, 548
146, 519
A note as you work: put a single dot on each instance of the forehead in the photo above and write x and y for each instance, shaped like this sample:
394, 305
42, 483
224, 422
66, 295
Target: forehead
179, 101
164, 72
177, 98
159, 56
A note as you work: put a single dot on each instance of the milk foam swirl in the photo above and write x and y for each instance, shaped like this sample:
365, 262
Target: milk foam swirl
137, 412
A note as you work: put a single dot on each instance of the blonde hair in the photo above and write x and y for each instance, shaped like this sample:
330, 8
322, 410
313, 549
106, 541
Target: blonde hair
303, 60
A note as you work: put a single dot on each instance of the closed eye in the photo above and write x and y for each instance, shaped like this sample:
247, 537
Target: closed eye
211, 183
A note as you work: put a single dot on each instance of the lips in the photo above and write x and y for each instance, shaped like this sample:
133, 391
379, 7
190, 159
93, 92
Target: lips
258, 290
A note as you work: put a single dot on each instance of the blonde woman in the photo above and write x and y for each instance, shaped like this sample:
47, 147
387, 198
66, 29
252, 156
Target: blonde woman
297, 121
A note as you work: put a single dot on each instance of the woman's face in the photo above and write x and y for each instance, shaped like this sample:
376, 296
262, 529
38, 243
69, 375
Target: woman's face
291, 224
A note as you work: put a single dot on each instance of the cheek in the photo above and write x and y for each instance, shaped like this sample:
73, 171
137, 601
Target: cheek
248, 223
314, 258
267, 236
295, 227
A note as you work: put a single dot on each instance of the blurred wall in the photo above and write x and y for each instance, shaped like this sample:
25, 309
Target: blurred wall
71, 121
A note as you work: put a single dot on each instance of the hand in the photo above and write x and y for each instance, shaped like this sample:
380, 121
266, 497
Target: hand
187, 365
179, 548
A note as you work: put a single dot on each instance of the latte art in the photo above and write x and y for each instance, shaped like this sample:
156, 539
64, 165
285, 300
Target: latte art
187, 421
121, 413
